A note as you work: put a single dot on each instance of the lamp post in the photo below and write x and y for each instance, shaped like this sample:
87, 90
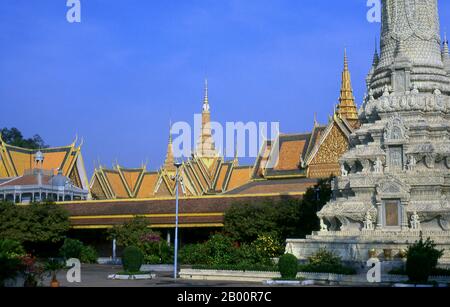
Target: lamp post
175, 265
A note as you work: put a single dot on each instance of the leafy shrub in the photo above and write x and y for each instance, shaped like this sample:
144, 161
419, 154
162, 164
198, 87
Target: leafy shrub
194, 254
221, 250
154, 248
132, 259
269, 245
88, 255
324, 257
326, 262
11, 253
238, 267
422, 259
288, 266
130, 233
71, 249
137, 233
152, 259
76, 249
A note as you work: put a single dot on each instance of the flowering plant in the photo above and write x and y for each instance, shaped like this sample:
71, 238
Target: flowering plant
151, 238
33, 271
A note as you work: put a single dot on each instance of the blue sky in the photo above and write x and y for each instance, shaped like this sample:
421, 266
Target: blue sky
130, 66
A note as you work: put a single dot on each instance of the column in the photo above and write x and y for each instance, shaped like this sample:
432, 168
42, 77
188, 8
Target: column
380, 216
404, 217
168, 237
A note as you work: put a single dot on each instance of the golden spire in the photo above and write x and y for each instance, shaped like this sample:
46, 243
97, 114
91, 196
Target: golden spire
205, 145
347, 107
169, 163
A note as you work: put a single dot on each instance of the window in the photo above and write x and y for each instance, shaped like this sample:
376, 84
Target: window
392, 213
396, 157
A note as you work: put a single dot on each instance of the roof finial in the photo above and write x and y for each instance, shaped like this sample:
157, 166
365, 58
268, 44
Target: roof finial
170, 132
445, 49
345, 60
169, 162
75, 140
376, 57
315, 119
206, 98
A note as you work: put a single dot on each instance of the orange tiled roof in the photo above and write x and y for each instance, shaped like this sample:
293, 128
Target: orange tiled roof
281, 186
239, 176
222, 177
290, 155
116, 184
131, 177
147, 186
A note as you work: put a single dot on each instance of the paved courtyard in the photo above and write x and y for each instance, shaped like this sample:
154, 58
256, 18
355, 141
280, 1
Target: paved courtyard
97, 276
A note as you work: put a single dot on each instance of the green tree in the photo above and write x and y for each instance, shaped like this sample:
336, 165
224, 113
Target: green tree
35, 223
14, 137
287, 218
313, 201
245, 222
130, 233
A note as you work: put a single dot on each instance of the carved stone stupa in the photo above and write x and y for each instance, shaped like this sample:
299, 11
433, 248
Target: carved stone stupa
396, 176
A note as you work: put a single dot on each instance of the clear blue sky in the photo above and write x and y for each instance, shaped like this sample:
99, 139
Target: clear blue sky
131, 65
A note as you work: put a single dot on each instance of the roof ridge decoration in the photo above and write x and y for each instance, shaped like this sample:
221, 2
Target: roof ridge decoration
323, 137
169, 163
347, 107
104, 182
206, 148
124, 181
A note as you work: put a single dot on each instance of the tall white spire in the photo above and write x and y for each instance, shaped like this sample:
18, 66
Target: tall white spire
206, 98
445, 50
410, 48
205, 146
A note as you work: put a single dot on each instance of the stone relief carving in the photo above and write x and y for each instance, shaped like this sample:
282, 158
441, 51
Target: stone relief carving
395, 129
378, 166
411, 164
366, 165
430, 160
412, 101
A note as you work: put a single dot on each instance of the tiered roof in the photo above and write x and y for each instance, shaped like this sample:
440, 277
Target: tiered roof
15, 161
